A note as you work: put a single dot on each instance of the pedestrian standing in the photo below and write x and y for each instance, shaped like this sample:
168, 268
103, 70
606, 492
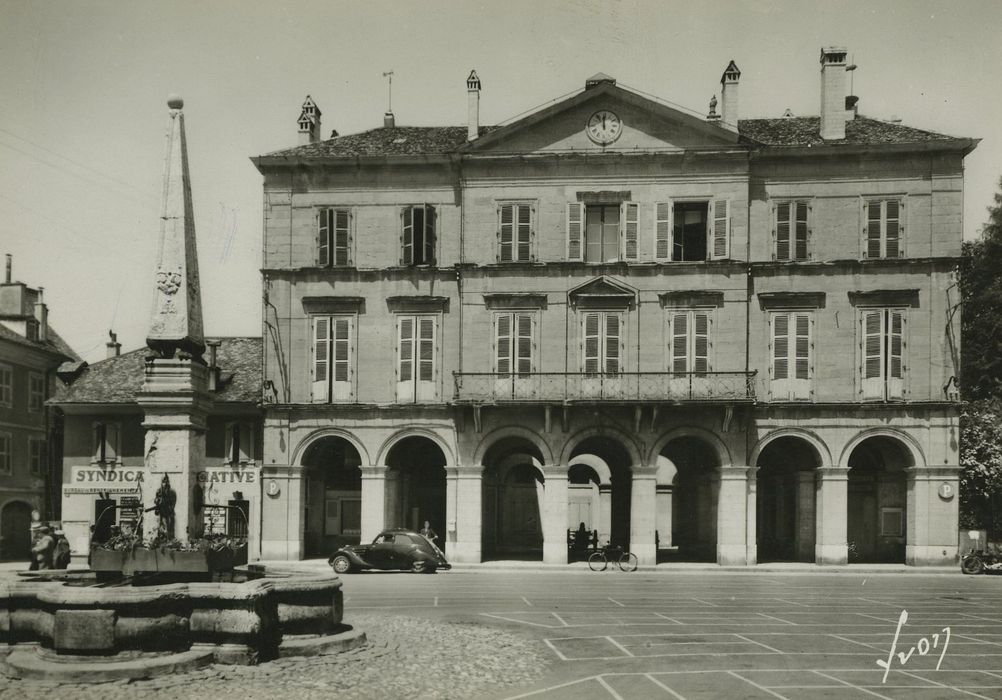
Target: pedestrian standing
428, 532
43, 549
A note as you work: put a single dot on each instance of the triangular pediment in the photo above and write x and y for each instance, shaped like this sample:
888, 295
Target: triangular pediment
602, 291
644, 124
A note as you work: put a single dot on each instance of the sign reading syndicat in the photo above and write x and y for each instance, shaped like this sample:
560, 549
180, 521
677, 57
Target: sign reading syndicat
91, 479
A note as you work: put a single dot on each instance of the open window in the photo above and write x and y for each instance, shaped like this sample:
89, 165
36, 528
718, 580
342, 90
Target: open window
106, 442
418, 235
692, 231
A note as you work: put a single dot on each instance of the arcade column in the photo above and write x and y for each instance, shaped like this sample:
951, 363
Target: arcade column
832, 513
555, 515
932, 516
373, 502
732, 520
465, 490
282, 514
643, 513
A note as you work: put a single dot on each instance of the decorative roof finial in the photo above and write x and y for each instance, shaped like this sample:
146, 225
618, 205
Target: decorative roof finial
713, 109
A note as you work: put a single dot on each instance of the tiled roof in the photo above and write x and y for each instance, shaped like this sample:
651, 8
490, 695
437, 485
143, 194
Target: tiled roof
440, 140
119, 379
53, 343
806, 131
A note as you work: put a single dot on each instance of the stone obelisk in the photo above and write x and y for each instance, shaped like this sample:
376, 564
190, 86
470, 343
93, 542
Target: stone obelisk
175, 396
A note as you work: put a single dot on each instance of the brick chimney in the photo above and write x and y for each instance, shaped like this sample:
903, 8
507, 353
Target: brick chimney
473, 106
833, 93
42, 316
729, 95
10, 265
309, 122
113, 347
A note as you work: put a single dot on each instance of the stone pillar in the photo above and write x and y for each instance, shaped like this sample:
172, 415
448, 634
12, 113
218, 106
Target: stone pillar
465, 547
555, 515
373, 502
804, 538
604, 513
751, 515
643, 513
282, 514
732, 509
664, 498
832, 504
932, 516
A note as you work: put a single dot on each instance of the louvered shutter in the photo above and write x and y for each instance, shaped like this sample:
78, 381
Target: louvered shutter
780, 347
426, 341
872, 353
342, 237
429, 236
700, 342
405, 371
502, 343
801, 233
783, 231
680, 343
892, 228
407, 237
662, 231
591, 343
320, 388
720, 247
629, 223
323, 237
895, 354
523, 232
342, 328
523, 346
802, 346
873, 216
506, 232
613, 337
575, 231
111, 433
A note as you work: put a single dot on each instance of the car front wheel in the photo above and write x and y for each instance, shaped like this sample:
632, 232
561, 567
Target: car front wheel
972, 565
341, 564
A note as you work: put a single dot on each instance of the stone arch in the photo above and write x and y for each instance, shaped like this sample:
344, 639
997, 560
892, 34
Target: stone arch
513, 459
596, 463
907, 441
626, 442
718, 445
403, 434
305, 443
510, 431
823, 453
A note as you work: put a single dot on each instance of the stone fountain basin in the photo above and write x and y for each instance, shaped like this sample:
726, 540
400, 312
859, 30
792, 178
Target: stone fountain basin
275, 614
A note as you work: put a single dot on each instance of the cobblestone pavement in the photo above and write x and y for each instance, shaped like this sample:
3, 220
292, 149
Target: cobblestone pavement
405, 657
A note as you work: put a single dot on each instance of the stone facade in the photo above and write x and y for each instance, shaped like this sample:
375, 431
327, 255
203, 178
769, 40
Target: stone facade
701, 339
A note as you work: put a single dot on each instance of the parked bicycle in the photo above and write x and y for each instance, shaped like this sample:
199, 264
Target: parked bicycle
601, 558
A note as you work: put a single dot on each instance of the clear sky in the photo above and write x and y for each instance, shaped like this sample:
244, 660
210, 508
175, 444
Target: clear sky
83, 113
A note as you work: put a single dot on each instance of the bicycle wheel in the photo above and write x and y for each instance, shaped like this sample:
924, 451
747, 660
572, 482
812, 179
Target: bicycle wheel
628, 562
597, 561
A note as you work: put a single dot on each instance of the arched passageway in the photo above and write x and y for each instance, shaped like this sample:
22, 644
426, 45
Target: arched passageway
332, 498
15, 532
512, 526
876, 527
595, 453
416, 486
786, 503
688, 484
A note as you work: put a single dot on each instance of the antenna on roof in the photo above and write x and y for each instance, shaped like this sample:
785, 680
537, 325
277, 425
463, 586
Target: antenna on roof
851, 70
389, 95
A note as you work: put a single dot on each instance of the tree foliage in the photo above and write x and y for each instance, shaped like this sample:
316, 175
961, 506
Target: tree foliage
981, 457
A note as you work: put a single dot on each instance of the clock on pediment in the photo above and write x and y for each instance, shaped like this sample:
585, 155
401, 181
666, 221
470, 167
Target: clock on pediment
604, 127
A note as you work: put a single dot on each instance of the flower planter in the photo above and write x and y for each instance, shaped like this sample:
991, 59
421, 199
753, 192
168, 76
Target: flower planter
141, 559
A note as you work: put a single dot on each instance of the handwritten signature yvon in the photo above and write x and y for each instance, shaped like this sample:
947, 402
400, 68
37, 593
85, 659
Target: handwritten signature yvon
924, 646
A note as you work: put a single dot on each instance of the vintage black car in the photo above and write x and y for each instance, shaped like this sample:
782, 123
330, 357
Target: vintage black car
395, 549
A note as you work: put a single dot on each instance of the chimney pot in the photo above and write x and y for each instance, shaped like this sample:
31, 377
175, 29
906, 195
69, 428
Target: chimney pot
729, 95
389, 121
10, 265
473, 106
833, 93
309, 122
42, 317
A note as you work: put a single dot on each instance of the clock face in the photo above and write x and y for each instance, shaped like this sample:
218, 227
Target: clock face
604, 127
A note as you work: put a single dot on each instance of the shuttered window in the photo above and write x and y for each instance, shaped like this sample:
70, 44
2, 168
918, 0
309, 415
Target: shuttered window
720, 234
662, 231
239, 443
792, 230
106, 436
417, 244
575, 231
601, 346
516, 232
792, 350
630, 231
417, 358
883, 228
689, 344
334, 237
513, 343
333, 358
882, 353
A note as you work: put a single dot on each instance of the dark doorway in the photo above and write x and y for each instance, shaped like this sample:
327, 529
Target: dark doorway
333, 496
512, 526
876, 526
415, 486
612, 452
15, 532
693, 501
786, 497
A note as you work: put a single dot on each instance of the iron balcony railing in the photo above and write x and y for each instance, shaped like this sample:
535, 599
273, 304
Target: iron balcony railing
492, 387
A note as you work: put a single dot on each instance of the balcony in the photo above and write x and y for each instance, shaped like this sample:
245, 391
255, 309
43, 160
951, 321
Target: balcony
626, 387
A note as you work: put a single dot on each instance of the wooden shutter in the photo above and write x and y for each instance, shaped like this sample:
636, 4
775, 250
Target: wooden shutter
575, 231
502, 343
873, 216
523, 232
680, 343
629, 224
407, 236
895, 353
320, 387
523, 344
662, 231
780, 346
506, 232
872, 334
323, 237
341, 357
783, 231
721, 232
405, 344
801, 232
591, 344
613, 338
111, 435
802, 346
428, 254
426, 348
700, 341
892, 228
342, 237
